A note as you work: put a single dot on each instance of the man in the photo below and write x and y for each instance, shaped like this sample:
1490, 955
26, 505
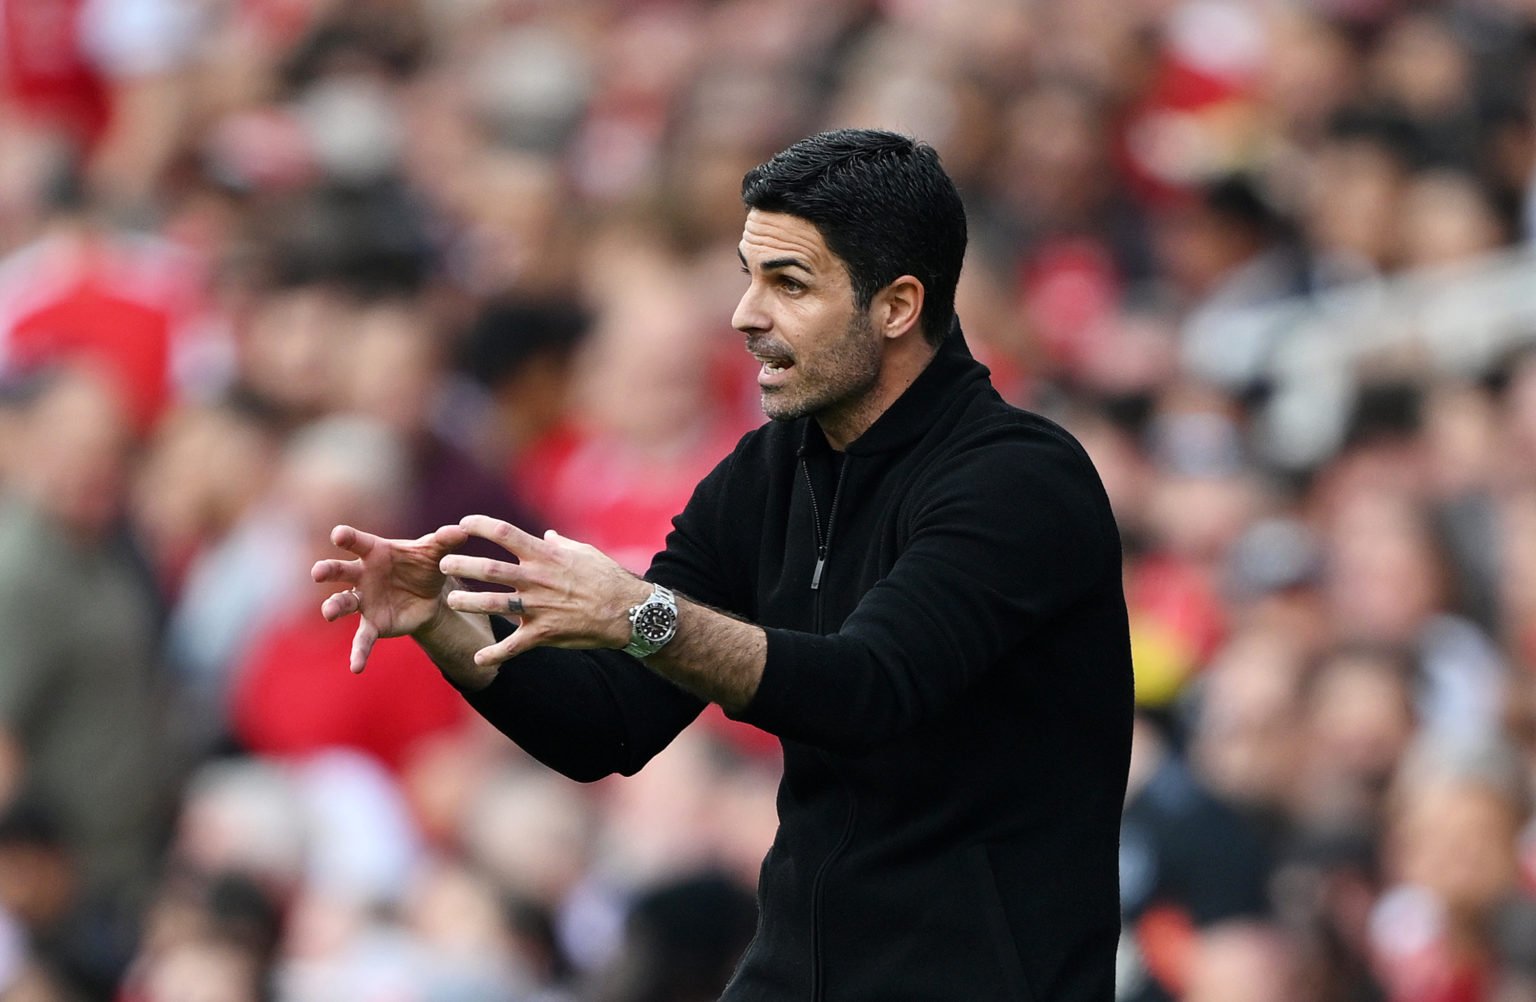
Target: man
80, 733
913, 585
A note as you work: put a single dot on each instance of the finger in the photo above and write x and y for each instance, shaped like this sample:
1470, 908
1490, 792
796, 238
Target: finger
450, 537
506, 649
504, 534
492, 603
482, 569
343, 603
355, 540
350, 571
362, 645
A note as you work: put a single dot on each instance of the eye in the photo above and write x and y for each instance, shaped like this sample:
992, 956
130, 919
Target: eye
791, 286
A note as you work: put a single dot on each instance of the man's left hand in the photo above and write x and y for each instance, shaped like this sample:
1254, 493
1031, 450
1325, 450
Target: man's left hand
564, 593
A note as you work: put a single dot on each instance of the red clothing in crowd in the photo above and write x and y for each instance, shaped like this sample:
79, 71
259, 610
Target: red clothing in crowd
123, 302
44, 70
294, 694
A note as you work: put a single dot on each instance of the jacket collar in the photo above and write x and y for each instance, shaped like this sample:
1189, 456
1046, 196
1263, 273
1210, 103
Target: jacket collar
951, 370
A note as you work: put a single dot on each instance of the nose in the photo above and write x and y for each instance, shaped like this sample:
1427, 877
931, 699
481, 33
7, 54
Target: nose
750, 317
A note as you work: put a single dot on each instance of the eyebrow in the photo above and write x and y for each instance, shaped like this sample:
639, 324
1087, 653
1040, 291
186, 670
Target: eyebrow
775, 263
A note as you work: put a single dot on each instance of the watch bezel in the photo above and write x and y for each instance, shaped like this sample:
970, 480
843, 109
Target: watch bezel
652, 623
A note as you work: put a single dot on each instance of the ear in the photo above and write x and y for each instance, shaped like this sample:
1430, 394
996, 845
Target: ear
898, 307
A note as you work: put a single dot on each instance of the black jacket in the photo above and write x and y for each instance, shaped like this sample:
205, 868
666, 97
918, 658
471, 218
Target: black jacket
953, 696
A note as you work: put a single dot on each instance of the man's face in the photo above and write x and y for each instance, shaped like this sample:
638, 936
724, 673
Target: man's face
820, 354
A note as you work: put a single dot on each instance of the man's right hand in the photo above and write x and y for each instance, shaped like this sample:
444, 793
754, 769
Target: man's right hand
394, 583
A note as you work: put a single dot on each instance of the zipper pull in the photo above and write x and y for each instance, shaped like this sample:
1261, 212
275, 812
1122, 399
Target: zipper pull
821, 561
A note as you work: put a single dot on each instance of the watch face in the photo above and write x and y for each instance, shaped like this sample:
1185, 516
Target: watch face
655, 622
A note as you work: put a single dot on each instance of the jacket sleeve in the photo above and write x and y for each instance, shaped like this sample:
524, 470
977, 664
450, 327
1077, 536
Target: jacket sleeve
589, 714
1007, 538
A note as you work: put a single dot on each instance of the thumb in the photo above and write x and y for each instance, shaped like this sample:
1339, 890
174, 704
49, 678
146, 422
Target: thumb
362, 645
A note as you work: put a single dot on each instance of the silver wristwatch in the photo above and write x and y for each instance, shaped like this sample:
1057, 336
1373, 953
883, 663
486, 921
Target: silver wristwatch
652, 623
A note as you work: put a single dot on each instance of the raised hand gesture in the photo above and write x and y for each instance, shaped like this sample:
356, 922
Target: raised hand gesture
395, 584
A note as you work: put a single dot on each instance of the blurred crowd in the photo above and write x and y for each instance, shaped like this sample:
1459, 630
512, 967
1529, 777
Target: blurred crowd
271, 265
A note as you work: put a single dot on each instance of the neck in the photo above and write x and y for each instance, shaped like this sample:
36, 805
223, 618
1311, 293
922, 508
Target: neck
904, 361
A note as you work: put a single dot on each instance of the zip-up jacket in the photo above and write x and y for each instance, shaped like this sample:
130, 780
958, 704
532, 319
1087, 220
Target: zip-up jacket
949, 673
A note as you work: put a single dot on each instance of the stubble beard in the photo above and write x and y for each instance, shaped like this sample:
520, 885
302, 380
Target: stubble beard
847, 372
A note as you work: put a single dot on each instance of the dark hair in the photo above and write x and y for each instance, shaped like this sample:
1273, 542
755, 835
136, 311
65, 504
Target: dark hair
510, 333
883, 204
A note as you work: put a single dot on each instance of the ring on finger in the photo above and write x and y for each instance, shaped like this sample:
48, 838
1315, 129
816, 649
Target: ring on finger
514, 605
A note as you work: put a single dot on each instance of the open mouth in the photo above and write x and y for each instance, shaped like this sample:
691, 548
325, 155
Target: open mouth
774, 365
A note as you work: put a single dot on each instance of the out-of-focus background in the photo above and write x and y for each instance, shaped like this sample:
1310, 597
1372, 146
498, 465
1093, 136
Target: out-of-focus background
268, 265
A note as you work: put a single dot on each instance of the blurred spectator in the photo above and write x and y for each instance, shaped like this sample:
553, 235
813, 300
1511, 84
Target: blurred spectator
1269, 582
1246, 737
281, 701
1324, 886
1358, 720
532, 834
522, 354
80, 707
243, 818
104, 77
1348, 199
1388, 583
681, 942
1446, 218
1225, 251
1245, 963
125, 302
1189, 867
1465, 477
40, 898
1451, 856
1421, 77
201, 472
206, 935
239, 578
395, 374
